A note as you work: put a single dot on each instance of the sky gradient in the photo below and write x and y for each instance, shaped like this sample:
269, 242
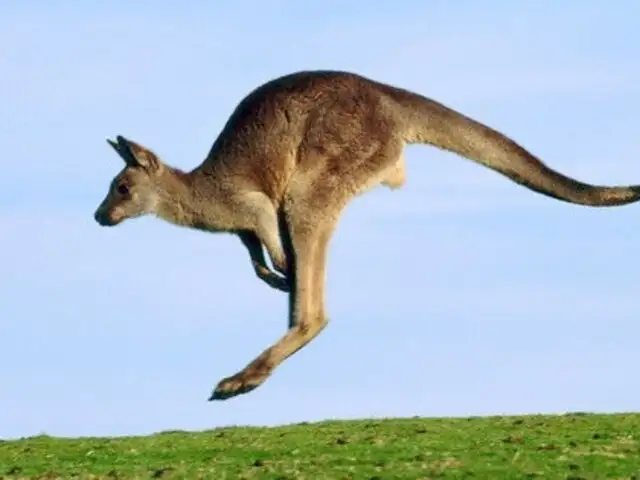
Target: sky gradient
461, 294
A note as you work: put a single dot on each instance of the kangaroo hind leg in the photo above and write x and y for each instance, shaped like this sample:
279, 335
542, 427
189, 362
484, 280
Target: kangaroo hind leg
311, 212
309, 240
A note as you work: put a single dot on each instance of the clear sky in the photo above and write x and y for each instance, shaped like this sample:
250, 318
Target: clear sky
462, 294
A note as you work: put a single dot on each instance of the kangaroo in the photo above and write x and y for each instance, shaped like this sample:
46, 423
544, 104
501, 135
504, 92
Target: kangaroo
290, 157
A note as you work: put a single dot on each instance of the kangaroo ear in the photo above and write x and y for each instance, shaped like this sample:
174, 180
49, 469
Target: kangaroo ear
135, 155
123, 151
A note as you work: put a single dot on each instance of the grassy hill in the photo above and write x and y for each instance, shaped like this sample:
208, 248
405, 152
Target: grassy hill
573, 446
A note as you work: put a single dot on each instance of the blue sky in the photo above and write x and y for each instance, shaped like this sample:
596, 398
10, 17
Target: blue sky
462, 294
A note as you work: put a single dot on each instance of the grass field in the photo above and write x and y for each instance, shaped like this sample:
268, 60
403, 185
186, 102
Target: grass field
573, 446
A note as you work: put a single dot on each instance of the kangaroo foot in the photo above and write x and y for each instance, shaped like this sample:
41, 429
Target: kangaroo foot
242, 382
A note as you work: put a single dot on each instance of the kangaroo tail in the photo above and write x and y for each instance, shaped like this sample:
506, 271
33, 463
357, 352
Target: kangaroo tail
429, 122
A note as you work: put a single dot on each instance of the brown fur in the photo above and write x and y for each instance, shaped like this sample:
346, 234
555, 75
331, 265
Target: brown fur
291, 156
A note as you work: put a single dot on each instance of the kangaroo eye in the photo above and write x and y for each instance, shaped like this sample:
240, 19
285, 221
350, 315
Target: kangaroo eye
123, 189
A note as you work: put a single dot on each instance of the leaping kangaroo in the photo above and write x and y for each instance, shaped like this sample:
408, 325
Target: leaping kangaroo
290, 157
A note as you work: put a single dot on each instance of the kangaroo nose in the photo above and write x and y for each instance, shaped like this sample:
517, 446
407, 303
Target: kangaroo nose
103, 218
99, 217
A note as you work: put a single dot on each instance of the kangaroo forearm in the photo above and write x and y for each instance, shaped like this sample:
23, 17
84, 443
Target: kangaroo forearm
263, 272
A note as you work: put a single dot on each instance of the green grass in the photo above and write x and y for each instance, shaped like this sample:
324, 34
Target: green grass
575, 446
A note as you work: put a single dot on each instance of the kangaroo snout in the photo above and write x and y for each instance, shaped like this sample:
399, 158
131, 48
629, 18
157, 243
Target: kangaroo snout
101, 218
105, 219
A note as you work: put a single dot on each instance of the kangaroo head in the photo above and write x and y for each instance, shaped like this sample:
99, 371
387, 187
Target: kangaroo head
135, 190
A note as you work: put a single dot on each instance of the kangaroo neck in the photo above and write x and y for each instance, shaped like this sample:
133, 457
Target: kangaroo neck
191, 200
